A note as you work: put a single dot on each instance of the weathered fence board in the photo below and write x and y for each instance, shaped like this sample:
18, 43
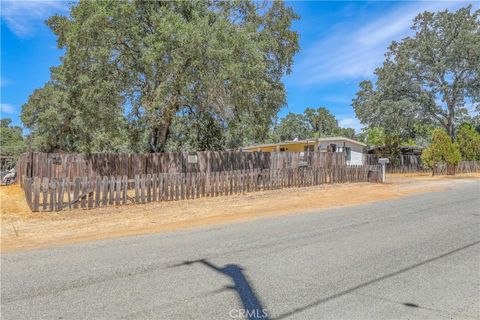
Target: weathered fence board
59, 165
95, 191
400, 164
53, 182
413, 163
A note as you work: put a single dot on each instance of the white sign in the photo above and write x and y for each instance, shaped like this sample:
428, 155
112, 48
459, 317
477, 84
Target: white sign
192, 159
383, 160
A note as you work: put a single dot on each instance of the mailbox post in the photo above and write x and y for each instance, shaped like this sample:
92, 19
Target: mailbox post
383, 162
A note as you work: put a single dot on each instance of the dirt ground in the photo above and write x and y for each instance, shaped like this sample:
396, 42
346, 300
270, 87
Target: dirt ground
21, 229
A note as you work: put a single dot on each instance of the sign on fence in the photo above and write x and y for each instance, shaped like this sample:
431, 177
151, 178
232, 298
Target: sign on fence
192, 159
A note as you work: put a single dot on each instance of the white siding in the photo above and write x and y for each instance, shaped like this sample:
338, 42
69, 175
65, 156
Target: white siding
356, 157
357, 154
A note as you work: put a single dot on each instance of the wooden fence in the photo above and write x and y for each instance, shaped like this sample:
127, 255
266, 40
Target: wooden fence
55, 165
51, 194
462, 167
413, 163
402, 164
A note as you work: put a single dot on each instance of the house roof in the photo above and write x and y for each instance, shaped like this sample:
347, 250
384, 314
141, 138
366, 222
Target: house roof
312, 141
341, 139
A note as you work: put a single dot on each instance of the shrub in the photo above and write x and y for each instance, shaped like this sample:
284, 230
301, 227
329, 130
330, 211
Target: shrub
441, 150
468, 140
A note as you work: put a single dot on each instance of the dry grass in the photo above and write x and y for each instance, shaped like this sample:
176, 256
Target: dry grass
34, 230
428, 176
15, 229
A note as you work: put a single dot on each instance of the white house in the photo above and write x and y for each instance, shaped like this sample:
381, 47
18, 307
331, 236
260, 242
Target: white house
353, 149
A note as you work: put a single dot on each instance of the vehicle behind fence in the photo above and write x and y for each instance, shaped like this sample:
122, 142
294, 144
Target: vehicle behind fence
52, 194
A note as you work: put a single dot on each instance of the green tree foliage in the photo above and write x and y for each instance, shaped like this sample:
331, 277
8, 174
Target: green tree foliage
312, 123
476, 122
292, 126
441, 150
59, 125
468, 141
322, 122
12, 143
375, 136
423, 134
346, 132
389, 144
192, 131
163, 63
427, 78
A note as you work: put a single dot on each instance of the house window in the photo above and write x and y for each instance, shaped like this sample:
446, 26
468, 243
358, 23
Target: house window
348, 153
283, 149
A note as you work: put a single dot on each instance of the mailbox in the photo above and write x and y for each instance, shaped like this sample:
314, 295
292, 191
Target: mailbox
383, 162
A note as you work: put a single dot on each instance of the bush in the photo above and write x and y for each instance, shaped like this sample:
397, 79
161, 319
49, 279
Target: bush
468, 140
441, 150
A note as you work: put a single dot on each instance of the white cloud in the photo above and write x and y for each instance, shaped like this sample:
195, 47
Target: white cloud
23, 17
4, 81
337, 99
8, 109
353, 52
350, 122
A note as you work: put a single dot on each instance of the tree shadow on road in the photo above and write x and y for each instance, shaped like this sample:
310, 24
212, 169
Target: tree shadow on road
252, 307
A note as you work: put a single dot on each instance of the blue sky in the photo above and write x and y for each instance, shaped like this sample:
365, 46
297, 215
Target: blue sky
341, 44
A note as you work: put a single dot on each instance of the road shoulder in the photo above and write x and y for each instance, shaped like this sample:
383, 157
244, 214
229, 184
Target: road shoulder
23, 230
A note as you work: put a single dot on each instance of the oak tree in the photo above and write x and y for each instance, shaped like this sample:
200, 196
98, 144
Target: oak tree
155, 59
429, 77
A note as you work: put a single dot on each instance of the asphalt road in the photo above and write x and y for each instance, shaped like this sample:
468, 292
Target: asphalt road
412, 258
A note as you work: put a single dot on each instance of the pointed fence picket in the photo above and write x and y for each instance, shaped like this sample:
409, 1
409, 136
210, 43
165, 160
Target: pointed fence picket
96, 191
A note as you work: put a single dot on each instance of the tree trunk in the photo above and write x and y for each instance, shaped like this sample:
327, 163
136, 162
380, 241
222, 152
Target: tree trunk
152, 140
158, 138
163, 135
159, 134
449, 125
